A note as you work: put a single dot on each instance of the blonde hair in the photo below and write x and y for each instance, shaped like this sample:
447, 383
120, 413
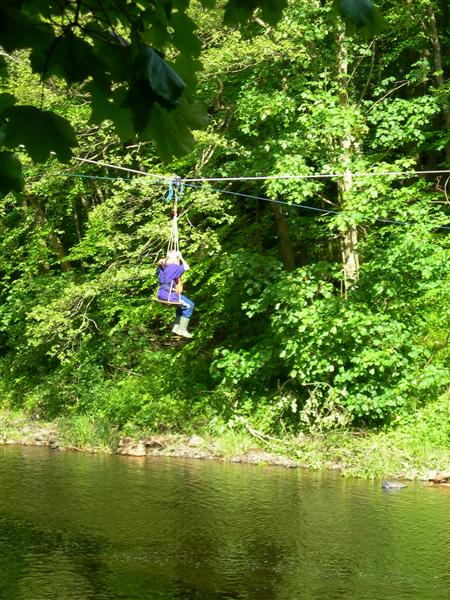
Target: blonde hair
170, 259
172, 255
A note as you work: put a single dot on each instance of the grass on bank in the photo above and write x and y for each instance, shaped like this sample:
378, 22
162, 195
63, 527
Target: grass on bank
414, 447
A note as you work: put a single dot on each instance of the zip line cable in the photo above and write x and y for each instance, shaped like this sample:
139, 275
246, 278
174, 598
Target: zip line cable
324, 211
317, 176
128, 179
189, 182
109, 166
305, 206
102, 177
268, 177
264, 199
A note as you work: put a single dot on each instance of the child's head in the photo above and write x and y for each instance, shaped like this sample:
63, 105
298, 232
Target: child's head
171, 259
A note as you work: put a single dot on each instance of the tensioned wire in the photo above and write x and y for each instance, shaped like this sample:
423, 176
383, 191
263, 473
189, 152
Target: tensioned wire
262, 198
109, 166
271, 177
189, 182
295, 205
318, 176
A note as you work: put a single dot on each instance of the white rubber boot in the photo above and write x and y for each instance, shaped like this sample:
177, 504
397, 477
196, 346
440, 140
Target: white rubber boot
176, 325
182, 328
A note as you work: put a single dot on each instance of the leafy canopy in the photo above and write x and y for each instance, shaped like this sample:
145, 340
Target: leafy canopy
127, 57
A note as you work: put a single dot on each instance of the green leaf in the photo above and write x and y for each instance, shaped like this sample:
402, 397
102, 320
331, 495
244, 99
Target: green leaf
183, 36
193, 114
40, 131
116, 53
11, 178
180, 4
19, 30
156, 34
172, 130
3, 67
152, 81
360, 14
187, 69
69, 57
162, 79
6, 100
47, 9
171, 139
110, 107
238, 11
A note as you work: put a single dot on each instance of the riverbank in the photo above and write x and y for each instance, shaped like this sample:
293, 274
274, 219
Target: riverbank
408, 453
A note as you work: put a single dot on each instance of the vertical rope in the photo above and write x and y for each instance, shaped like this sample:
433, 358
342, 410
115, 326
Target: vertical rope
173, 238
174, 245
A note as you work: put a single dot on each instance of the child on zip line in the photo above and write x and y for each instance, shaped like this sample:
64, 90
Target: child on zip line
169, 272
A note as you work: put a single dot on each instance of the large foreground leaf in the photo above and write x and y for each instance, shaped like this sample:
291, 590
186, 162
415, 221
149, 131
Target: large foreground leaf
111, 107
152, 82
68, 57
162, 79
360, 14
3, 67
10, 173
172, 130
40, 131
238, 11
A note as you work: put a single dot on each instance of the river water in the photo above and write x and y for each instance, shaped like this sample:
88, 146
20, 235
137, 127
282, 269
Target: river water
76, 526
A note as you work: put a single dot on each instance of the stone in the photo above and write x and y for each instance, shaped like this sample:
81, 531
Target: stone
441, 477
428, 475
135, 450
155, 442
125, 442
195, 441
392, 485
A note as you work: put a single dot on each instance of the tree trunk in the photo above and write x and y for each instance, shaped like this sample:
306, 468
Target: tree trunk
55, 241
439, 69
58, 249
287, 250
349, 238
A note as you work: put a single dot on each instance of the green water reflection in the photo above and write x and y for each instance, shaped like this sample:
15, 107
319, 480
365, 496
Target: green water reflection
79, 527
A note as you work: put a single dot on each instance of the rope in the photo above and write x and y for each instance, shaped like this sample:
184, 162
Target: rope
174, 192
127, 169
169, 192
268, 177
305, 206
317, 176
190, 182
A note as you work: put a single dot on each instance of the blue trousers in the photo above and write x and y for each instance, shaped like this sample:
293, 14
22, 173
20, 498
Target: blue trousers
186, 309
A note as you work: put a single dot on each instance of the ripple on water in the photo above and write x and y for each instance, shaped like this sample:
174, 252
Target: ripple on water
80, 526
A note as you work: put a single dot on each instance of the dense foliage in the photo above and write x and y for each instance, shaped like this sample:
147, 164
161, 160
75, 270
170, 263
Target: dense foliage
136, 63
328, 307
